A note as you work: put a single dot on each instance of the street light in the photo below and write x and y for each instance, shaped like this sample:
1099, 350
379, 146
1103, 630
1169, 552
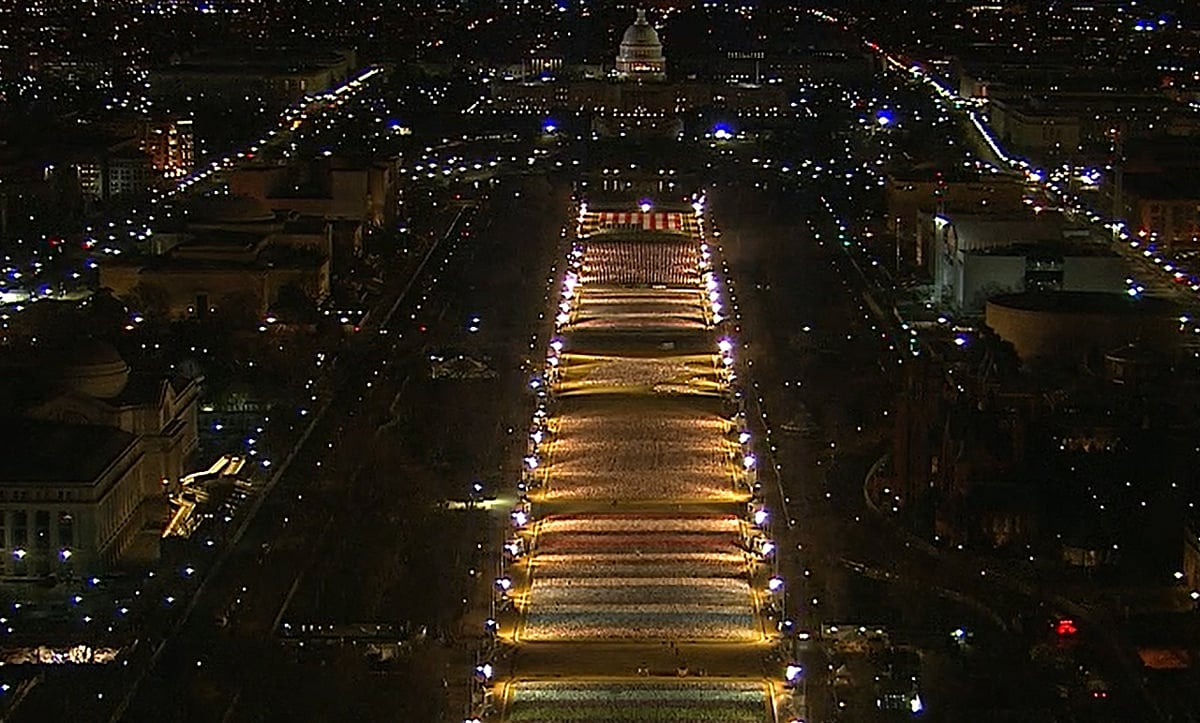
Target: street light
793, 672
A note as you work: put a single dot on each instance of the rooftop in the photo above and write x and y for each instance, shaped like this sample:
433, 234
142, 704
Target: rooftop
1162, 186
257, 61
641, 33
1048, 249
58, 452
1091, 302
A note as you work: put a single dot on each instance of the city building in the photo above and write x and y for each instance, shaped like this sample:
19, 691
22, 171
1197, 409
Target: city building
278, 75
916, 191
122, 170
85, 487
338, 189
76, 160
171, 146
990, 72
167, 140
766, 66
233, 258
1163, 206
977, 256
1070, 325
1091, 123
635, 94
1032, 127
1191, 556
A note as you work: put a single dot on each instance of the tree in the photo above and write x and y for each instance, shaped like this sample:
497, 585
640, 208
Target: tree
151, 300
105, 312
238, 310
293, 305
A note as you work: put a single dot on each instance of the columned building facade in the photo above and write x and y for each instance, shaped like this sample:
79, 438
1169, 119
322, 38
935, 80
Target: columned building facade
87, 489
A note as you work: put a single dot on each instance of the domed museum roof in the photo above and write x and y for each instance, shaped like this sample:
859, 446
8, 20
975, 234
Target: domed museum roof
641, 34
95, 368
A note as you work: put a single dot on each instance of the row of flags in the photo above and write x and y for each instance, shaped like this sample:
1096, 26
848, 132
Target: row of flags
646, 221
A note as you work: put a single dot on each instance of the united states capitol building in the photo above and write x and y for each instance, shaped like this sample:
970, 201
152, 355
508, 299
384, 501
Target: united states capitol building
641, 56
636, 89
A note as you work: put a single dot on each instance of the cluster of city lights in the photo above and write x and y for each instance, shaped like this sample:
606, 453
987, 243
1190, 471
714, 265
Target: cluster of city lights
1137, 246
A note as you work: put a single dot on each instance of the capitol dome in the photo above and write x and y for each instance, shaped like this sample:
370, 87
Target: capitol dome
641, 53
94, 368
641, 33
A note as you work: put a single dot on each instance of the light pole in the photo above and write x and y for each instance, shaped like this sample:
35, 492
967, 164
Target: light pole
1118, 183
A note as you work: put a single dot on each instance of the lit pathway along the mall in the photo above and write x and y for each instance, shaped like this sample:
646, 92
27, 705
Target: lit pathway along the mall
640, 583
